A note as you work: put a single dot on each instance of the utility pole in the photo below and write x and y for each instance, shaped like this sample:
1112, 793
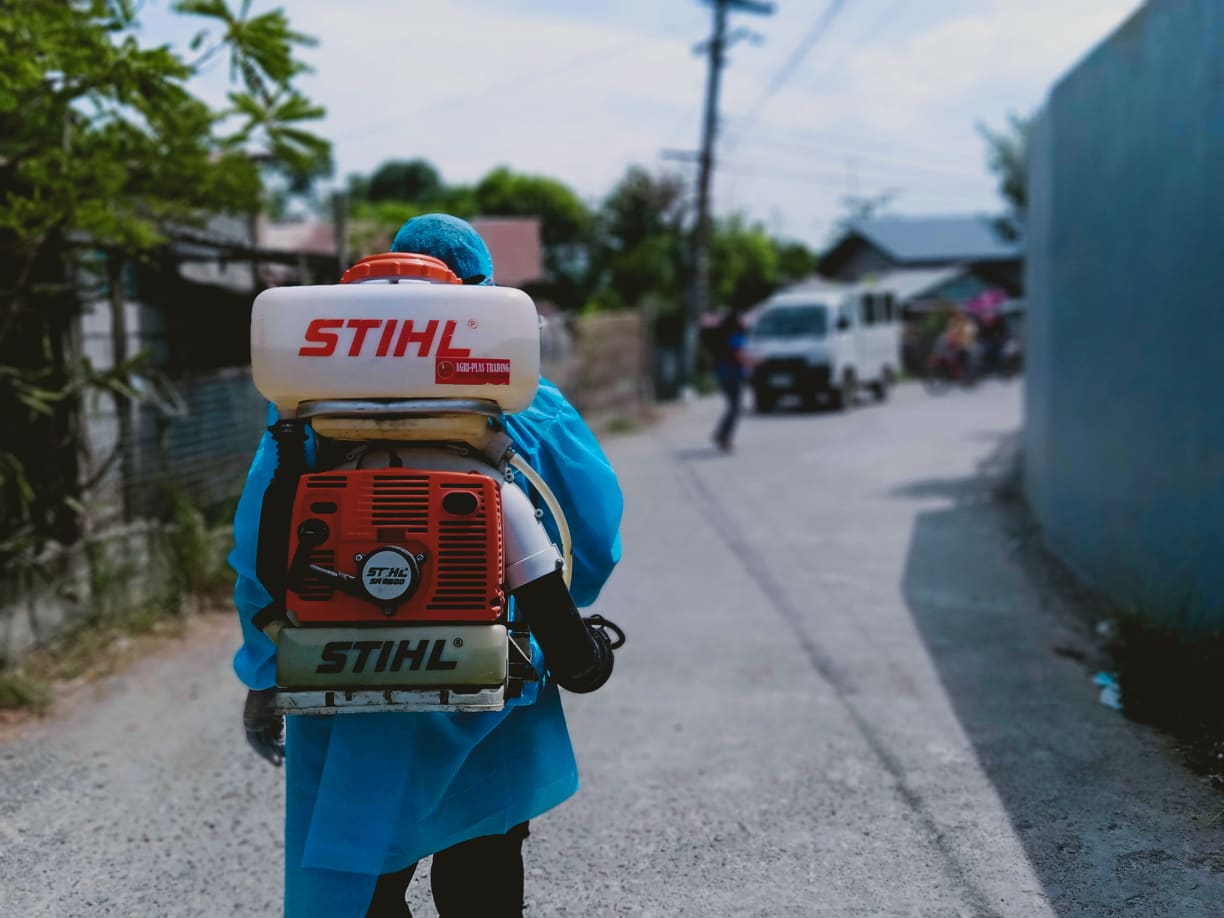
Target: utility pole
699, 294
340, 209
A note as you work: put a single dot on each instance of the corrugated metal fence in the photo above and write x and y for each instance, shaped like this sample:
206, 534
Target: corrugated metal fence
203, 451
199, 443
195, 441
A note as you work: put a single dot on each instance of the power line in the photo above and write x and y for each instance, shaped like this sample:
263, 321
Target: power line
882, 163
517, 81
771, 170
809, 40
887, 18
802, 176
848, 143
872, 32
715, 47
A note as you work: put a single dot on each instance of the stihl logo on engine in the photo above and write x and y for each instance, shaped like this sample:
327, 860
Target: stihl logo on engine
381, 338
392, 656
388, 576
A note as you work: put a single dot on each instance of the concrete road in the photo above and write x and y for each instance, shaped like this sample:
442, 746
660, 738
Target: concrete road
840, 697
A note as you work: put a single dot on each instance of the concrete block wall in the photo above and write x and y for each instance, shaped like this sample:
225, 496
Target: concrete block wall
604, 366
600, 362
612, 371
1124, 439
113, 568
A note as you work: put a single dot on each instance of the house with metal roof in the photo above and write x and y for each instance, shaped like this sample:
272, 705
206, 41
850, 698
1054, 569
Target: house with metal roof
889, 244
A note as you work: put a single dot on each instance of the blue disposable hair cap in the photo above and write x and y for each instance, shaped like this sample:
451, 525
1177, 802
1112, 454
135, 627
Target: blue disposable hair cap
450, 239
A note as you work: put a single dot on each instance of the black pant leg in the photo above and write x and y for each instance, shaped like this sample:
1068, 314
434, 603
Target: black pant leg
731, 388
481, 878
389, 894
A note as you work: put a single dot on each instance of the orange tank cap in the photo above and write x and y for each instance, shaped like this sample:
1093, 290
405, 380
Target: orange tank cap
400, 264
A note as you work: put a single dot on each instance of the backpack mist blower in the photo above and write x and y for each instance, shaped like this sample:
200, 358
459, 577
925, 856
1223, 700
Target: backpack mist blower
392, 555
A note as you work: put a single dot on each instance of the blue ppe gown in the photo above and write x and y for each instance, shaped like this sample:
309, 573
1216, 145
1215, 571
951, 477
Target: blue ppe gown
368, 794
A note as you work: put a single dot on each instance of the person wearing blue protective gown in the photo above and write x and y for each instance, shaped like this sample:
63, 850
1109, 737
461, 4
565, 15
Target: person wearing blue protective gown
369, 795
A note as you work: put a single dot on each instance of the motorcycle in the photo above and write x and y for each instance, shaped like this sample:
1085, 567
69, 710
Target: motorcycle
946, 367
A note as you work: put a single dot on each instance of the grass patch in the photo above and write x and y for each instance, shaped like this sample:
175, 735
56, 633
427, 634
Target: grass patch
1174, 682
194, 551
19, 690
97, 645
621, 424
179, 570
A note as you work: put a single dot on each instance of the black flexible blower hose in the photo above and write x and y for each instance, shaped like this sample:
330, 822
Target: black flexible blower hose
276, 514
578, 652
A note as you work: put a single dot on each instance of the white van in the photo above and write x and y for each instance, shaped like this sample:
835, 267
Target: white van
824, 343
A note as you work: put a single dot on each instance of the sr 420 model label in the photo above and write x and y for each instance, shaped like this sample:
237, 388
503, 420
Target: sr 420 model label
392, 656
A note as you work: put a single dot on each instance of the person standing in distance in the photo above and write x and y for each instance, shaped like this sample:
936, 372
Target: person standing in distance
727, 351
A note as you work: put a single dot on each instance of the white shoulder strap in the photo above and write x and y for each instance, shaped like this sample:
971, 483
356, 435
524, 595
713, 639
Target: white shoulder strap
554, 507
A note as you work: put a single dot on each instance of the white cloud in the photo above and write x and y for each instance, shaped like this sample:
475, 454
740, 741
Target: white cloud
887, 98
470, 88
900, 111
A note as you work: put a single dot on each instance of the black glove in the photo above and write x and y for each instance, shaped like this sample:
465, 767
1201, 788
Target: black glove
578, 651
265, 729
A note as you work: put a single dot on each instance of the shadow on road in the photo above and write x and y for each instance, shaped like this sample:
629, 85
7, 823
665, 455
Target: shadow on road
1111, 823
956, 489
698, 453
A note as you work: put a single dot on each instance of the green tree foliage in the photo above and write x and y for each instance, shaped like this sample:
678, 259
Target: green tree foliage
859, 208
632, 250
375, 217
743, 263
269, 110
565, 226
103, 149
796, 261
404, 180
1007, 156
395, 193
564, 219
640, 249
642, 206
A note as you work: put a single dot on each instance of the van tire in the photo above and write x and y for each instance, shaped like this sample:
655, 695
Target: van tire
846, 394
764, 400
888, 379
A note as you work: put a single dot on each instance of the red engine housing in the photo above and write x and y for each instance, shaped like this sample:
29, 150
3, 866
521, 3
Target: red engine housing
446, 526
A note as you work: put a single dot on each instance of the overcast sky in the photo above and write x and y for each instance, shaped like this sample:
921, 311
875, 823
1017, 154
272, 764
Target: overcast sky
886, 99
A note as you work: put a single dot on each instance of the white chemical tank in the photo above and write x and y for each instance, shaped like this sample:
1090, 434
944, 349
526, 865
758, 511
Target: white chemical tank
398, 327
